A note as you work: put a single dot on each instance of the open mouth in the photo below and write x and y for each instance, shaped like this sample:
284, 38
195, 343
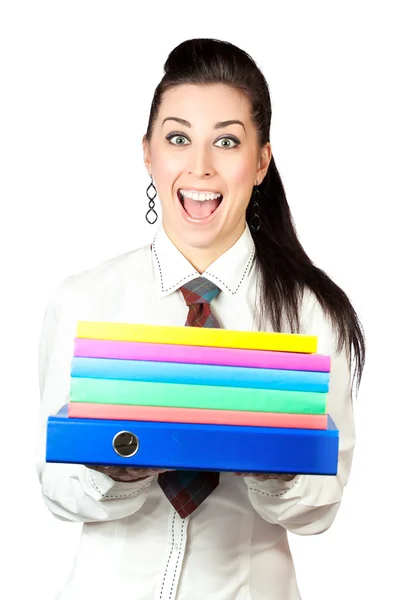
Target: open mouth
200, 205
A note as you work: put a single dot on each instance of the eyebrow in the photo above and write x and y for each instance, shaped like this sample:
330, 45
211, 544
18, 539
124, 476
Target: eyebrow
218, 125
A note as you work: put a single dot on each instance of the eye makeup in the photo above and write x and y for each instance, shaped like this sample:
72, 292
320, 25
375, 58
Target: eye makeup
231, 137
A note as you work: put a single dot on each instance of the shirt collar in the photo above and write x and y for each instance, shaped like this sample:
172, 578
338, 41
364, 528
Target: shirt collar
228, 271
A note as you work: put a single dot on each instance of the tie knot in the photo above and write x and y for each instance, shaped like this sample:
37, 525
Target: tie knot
200, 291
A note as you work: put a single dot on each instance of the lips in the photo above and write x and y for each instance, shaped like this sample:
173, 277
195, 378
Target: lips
199, 209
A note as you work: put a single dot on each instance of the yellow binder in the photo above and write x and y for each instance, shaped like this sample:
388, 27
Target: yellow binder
198, 336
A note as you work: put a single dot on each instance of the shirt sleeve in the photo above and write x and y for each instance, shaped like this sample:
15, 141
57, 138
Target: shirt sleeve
73, 492
308, 504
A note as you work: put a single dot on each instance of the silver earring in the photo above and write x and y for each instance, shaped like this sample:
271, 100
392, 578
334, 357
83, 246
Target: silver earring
151, 194
255, 222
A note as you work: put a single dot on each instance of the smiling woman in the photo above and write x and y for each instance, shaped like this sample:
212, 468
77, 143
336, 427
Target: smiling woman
225, 254
210, 154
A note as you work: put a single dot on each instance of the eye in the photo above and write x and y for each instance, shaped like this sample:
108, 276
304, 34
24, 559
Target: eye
228, 142
179, 137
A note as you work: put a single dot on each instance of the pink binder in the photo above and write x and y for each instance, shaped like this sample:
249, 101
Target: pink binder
264, 359
88, 410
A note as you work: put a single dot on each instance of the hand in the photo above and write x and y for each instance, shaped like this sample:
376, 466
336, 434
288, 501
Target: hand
265, 476
125, 474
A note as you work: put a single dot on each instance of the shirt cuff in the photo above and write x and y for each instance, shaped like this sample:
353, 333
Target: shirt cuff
274, 487
106, 487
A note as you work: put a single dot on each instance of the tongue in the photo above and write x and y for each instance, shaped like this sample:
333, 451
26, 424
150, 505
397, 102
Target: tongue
200, 210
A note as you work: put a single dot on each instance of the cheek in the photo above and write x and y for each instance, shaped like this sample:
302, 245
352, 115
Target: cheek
166, 169
239, 173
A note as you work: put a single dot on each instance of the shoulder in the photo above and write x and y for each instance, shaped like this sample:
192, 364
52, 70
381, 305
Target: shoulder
107, 277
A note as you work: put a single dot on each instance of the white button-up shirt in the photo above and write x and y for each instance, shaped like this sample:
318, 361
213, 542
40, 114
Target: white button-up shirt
133, 543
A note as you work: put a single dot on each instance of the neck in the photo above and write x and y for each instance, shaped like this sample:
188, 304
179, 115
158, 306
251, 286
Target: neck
202, 258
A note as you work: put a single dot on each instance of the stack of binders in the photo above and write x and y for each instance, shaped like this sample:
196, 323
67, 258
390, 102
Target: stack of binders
196, 398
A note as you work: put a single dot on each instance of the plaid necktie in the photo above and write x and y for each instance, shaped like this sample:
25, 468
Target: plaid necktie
186, 490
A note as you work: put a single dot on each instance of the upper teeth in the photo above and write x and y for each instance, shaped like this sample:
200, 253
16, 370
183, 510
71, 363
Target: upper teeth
200, 196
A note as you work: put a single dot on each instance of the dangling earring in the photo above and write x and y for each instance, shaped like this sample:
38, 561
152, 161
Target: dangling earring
151, 202
255, 222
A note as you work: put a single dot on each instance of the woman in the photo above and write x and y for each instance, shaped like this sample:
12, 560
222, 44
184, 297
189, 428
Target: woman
225, 219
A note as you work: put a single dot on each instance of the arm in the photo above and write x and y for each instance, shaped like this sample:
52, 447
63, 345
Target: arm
308, 504
74, 492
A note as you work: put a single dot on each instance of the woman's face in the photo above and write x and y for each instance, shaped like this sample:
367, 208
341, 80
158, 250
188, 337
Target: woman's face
204, 143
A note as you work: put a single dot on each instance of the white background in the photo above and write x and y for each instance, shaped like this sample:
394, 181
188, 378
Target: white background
77, 79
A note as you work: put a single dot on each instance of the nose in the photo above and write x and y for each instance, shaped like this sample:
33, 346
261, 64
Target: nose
200, 163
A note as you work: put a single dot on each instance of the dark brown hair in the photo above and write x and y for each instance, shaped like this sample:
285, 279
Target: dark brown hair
285, 268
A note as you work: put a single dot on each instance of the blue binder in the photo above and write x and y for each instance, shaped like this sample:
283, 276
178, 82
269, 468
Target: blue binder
192, 446
141, 370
